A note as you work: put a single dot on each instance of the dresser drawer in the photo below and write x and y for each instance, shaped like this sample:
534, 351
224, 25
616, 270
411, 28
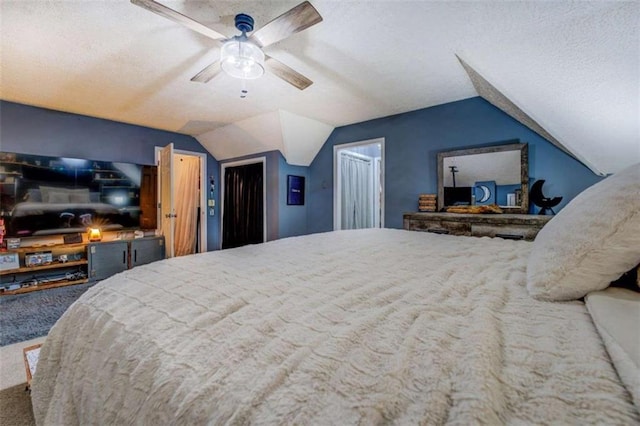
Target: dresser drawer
508, 226
440, 227
512, 232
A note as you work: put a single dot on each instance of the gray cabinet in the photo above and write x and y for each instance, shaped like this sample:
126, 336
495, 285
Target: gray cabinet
146, 250
109, 258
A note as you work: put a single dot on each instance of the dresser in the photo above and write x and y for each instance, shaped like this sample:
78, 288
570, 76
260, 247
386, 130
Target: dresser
508, 226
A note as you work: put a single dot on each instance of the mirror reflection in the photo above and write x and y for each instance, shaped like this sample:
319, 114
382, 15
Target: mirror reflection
483, 176
43, 195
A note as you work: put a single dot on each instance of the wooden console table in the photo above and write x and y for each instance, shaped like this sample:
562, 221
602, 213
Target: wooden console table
509, 226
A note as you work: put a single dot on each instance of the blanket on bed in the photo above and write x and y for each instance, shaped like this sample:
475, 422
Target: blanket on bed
348, 327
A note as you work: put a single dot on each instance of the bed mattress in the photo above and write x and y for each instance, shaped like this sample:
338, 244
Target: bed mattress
347, 327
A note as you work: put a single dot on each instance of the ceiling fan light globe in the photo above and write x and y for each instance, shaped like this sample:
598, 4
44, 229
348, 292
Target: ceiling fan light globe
242, 59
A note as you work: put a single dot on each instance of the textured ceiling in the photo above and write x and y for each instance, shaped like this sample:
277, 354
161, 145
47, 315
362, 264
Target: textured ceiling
572, 67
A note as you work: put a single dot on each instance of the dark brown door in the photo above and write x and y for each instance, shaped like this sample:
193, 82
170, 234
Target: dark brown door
149, 198
243, 206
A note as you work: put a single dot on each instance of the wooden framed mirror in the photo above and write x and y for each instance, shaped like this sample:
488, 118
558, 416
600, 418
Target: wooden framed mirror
492, 175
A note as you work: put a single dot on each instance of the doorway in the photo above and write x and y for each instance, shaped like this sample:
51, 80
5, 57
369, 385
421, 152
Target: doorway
359, 185
243, 203
181, 216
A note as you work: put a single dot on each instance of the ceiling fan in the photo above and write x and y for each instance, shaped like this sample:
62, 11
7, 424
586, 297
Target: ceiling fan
241, 56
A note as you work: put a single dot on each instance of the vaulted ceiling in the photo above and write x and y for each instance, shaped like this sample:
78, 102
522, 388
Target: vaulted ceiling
571, 67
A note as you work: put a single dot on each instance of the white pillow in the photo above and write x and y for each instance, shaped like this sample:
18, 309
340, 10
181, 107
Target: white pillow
589, 243
58, 197
80, 195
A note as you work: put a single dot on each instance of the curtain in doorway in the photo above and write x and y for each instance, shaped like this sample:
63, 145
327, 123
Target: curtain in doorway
243, 220
187, 191
357, 192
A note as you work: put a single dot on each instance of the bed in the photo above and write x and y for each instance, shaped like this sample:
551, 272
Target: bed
346, 327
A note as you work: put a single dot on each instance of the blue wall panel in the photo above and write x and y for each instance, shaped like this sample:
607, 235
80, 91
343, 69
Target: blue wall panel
412, 141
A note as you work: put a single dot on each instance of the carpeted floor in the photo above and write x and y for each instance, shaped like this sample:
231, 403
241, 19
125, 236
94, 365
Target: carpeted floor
29, 315
15, 407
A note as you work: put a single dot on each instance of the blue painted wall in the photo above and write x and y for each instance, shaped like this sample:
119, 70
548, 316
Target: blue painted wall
31, 130
412, 141
292, 219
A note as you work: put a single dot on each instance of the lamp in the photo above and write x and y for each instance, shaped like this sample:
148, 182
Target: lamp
242, 59
239, 57
95, 234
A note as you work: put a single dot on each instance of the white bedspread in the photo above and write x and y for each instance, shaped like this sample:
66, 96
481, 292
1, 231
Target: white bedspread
350, 327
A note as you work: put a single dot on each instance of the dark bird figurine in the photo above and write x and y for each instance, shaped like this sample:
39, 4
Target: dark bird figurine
538, 198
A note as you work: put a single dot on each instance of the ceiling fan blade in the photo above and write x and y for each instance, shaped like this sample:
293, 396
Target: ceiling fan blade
286, 73
295, 20
178, 17
208, 73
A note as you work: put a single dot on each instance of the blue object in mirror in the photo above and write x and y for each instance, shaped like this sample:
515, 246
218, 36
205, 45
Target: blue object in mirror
485, 192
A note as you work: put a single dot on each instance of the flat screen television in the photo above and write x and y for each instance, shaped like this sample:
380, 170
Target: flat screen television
42, 195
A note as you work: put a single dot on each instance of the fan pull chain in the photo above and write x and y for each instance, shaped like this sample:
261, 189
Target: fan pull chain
243, 91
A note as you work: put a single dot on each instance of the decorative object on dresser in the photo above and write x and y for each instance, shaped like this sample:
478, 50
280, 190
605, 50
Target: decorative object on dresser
484, 192
427, 202
507, 226
490, 175
538, 198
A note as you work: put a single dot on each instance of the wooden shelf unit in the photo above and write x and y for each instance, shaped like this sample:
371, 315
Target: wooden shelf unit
43, 287
39, 277
55, 265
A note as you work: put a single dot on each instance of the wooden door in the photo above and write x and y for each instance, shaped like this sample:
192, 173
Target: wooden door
149, 198
167, 208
